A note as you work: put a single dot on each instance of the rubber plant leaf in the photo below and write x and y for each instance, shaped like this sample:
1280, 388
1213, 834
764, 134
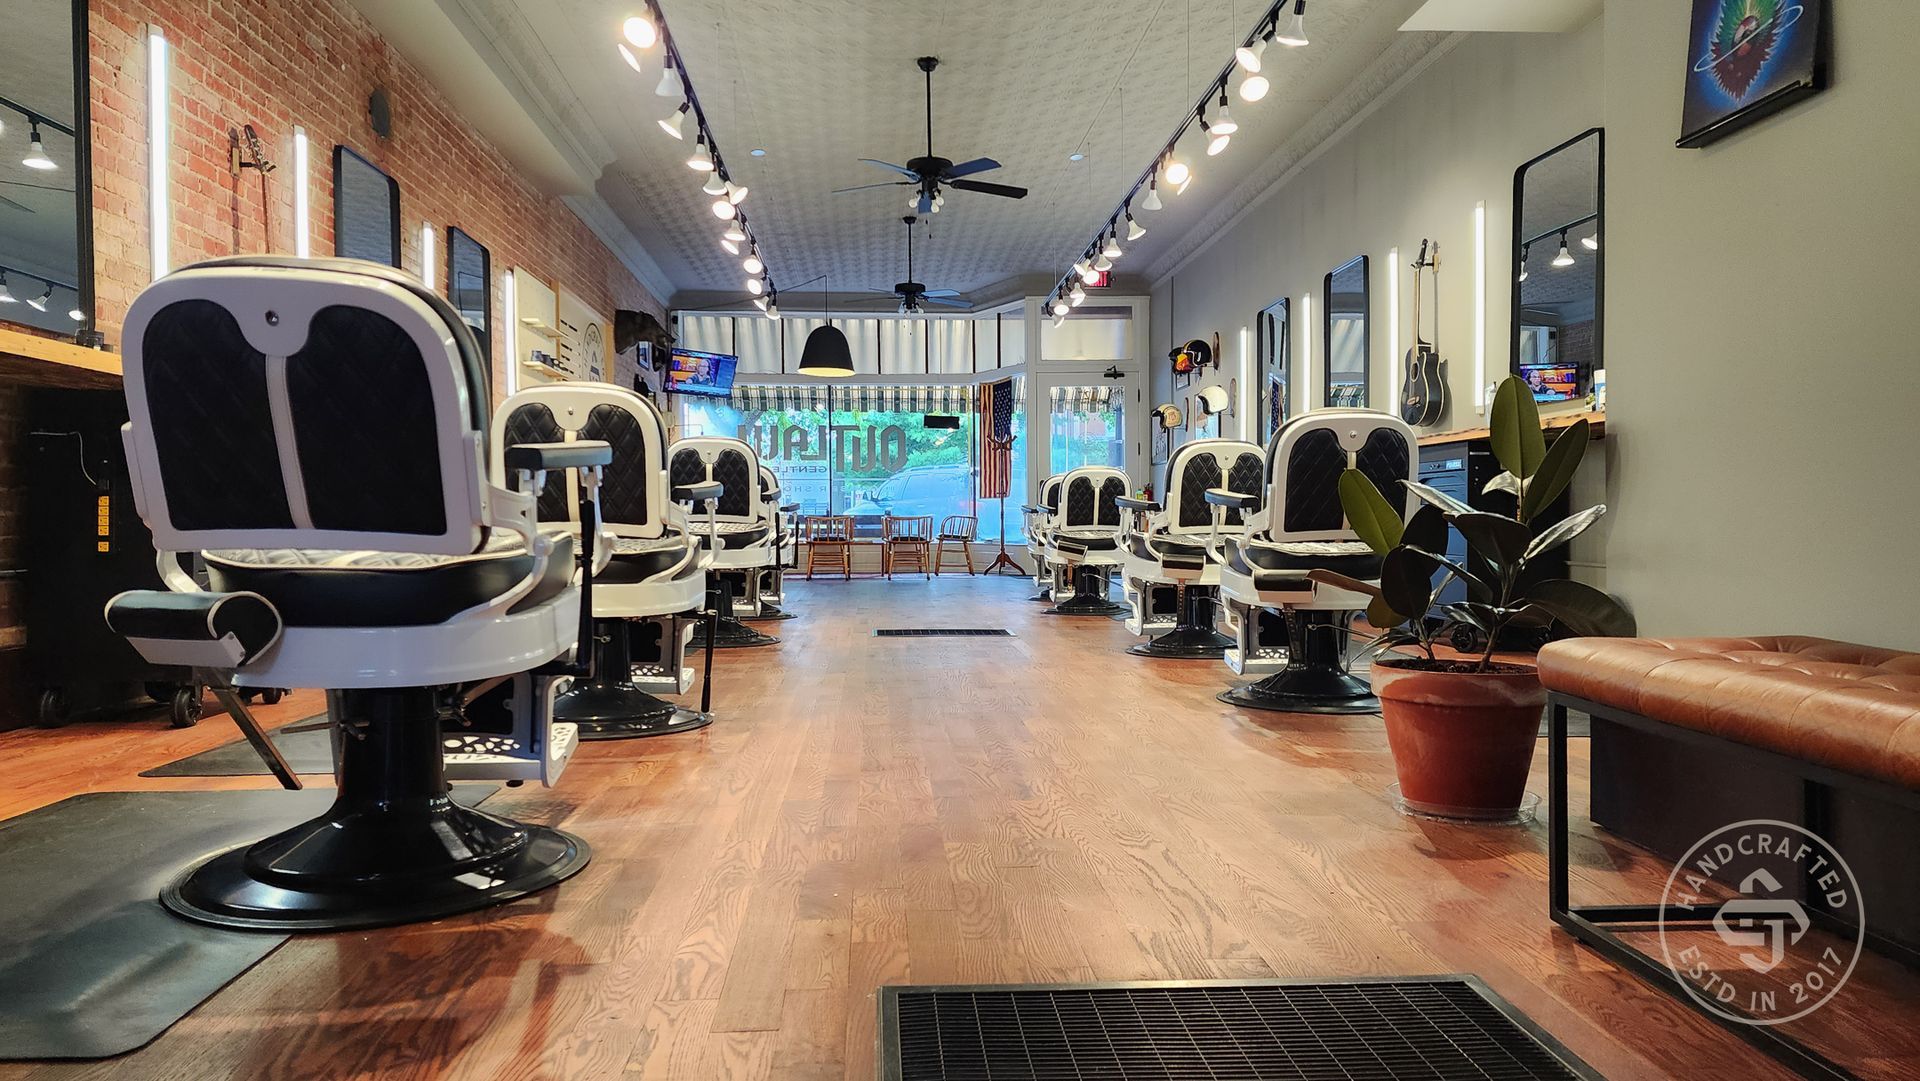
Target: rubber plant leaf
1438, 498
1556, 469
1518, 443
1585, 610
1498, 538
1565, 530
1369, 514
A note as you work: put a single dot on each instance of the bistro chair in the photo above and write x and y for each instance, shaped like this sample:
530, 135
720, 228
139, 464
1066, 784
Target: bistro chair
829, 540
956, 529
906, 540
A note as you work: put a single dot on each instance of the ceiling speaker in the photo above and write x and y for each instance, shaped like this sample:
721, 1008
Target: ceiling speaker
380, 113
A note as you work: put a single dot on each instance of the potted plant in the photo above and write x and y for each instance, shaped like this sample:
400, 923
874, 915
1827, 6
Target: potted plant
1462, 729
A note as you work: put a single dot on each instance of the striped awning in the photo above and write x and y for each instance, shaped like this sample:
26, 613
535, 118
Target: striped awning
856, 398
1098, 399
774, 398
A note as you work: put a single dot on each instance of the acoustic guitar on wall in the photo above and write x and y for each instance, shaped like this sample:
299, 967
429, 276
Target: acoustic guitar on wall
1423, 390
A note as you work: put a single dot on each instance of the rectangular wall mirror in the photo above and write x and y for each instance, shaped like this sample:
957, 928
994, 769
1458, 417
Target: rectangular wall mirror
1273, 346
1558, 214
1344, 330
366, 210
470, 286
46, 220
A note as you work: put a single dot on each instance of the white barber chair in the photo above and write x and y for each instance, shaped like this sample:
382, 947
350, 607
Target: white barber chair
1172, 585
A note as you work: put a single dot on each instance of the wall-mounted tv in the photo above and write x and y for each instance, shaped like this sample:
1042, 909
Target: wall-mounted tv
1556, 383
704, 375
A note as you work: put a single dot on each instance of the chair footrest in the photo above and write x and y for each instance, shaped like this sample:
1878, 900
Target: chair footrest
514, 737
197, 630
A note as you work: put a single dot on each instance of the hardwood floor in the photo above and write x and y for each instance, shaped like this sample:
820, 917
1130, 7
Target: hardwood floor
869, 811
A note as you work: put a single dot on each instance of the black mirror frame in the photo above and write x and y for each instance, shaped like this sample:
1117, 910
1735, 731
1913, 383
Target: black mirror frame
1366, 331
1263, 402
84, 334
457, 235
339, 197
1599, 257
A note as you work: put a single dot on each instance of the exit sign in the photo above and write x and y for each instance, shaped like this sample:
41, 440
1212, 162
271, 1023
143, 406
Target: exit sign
1102, 279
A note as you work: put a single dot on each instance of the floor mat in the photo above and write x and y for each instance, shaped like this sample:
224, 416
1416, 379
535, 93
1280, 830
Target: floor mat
306, 750
90, 964
1436, 1028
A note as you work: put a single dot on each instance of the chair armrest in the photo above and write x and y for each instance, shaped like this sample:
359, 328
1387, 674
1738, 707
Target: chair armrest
1221, 497
698, 493
789, 508
200, 630
1144, 505
1030, 508
547, 457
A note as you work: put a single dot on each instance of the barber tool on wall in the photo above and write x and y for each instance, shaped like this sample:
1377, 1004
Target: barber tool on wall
245, 152
1423, 390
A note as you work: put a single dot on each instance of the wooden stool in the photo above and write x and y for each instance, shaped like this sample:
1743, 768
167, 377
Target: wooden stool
956, 529
829, 539
906, 540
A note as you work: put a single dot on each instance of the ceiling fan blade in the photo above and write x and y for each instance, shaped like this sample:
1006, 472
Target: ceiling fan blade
4, 201
941, 293
901, 169
944, 302
1007, 191
882, 184
968, 168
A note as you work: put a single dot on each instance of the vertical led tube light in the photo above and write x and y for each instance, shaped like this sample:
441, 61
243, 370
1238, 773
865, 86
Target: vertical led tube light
159, 140
510, 333
1393, 322
302, 226
1480, 307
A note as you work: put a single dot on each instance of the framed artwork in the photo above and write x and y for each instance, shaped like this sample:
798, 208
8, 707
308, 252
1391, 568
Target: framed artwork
1748, 59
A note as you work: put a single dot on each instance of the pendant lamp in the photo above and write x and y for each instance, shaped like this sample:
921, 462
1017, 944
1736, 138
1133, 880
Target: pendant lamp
826, 353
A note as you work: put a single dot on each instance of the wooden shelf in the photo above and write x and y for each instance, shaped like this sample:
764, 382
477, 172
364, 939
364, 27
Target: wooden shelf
1552, 422
48, 362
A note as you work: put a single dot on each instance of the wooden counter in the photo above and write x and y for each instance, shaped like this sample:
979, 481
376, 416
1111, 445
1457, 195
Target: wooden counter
30, 360
1552, 422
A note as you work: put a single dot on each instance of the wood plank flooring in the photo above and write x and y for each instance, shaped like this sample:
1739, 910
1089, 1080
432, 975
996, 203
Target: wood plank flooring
868, 811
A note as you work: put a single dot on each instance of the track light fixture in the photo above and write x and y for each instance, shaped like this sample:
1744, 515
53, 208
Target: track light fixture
761, 303
6, 294
1112, 248
639, 32
1134, 229
76, 315
1152, 201
1177, 171
736, 193
773, 308
1524, 251
36, 153
735, 233
1216, 141
1591, 242
1059, 306
1092, 273
674, 125
1248, 56
627, 55
714, 185
1223, 122
732, 246
1101, 266
755, 287
1082, 267
669, 84
1077, 295
1565, 258
752, 264
1253, 88
723, 209
1295, 35
700, 161
39, 303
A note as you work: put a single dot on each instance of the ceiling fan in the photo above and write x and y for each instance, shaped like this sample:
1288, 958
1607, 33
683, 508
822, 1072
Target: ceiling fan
912, 293
931, 174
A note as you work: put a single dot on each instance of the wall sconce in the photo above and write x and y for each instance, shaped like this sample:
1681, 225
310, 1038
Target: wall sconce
1480, 307
159, 214
429, 273
302, 232
1307, 367
510, 331
1393, 321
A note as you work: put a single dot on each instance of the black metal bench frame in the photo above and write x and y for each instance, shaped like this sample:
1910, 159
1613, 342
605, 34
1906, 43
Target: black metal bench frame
1594, 924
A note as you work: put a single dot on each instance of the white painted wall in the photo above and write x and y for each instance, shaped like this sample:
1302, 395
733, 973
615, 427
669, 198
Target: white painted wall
1761, 298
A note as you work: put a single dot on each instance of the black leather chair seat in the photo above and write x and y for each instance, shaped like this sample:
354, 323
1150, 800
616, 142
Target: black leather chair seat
1091, 542
637, 560
321, 588
733, 534
1290, 562
1165, 547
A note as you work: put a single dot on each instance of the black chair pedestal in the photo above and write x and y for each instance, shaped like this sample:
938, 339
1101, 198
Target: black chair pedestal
1089, 598
608, 705
394, 847
731, 633
1193, 638
1315, 679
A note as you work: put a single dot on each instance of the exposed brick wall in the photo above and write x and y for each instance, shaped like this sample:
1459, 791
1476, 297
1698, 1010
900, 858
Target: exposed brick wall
275, 64
314, 64
1576, 343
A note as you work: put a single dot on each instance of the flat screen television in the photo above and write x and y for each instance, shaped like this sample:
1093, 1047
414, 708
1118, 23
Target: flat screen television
704, 375
1552, 383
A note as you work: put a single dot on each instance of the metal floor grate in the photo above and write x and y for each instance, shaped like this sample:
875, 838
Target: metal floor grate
1438, 1028
942, 632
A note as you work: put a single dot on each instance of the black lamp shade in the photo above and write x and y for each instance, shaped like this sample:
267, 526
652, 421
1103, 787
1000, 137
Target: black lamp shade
826, 353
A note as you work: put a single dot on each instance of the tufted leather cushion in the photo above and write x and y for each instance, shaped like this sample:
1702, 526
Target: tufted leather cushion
315, 588
741, 484
534, 423
636, 560
1080, 502
1313, 483
1111, 489
1383, 460
731, 534
1198, 472
623, 484
1852, 708
1267, 564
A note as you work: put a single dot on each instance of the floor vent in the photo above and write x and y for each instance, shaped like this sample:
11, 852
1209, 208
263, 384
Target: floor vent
942, 632
1435, 1028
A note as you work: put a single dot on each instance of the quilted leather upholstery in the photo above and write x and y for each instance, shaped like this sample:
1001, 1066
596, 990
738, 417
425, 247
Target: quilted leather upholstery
212, 427
1271, 563
1248, 475
1080, 497
623, 487
534, 423
320, 588
1383, 458
1111, 489
1313, 483
363, 413
1199, 472
687, 468
742, 487
1050, 493
1850, 707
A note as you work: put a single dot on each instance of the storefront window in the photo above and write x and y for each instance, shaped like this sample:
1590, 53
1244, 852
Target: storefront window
1087, 426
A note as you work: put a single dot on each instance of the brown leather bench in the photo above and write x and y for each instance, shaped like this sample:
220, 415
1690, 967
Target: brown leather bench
1851, 708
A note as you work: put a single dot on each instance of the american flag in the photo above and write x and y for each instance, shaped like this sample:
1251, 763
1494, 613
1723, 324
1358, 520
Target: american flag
996, 439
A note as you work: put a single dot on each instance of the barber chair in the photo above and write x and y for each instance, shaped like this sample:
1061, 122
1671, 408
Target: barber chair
1083, 538
1171, 583
651, 574
1036, 517
1288, 628
772, 577
318, 430
738, 534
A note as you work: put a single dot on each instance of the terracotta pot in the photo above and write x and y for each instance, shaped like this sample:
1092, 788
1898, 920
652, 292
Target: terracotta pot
1462, 741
